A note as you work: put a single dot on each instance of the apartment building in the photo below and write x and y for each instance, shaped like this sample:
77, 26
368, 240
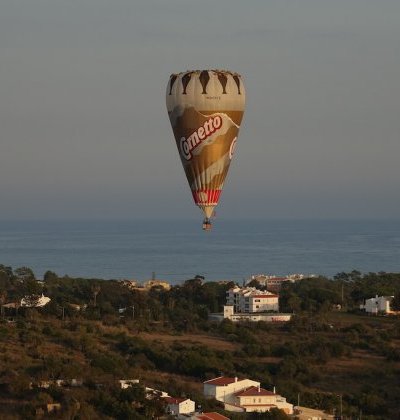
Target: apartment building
250, 300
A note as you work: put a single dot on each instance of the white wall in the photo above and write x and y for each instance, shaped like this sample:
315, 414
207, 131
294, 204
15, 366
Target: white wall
377, 304
225, 393
259, 304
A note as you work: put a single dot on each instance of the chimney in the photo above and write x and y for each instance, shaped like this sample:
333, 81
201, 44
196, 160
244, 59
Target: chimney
258, 388
274, 391
236, 378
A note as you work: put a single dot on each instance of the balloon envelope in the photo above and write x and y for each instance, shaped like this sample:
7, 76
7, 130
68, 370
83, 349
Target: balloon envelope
205, 108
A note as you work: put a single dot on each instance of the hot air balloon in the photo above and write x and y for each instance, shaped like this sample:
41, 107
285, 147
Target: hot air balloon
205, 108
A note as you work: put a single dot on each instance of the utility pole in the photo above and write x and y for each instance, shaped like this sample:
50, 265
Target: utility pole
95, 290
342, 294
2, 302
133, 311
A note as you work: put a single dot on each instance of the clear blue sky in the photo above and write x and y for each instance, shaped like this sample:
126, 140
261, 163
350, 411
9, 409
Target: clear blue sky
84, 130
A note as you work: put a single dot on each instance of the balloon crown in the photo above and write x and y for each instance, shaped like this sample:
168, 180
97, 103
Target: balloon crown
215, 71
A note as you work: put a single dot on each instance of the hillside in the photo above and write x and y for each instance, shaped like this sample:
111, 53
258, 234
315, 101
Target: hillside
322, 357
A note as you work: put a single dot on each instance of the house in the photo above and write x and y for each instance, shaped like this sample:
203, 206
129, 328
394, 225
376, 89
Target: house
126, 383
75, 382
130, 284
156, 283
250, 300
59, 382
177, 406
274, 283
258, 399
76, 307
152, 393
378, 304
224, 388
244, 395
44, 384
34, 301
207, 416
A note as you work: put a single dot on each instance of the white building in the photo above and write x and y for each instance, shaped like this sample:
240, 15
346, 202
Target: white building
35, 301
223, 388
261, 400
126, 383
274, 283
150, 393
244, 395
156, 283
250, 299
177, 406
252, 305
249, 316
378, 304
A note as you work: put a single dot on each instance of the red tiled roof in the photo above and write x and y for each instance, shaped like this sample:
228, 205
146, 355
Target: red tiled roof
264, 296
253, 391
172, 400
222, 380
212, 416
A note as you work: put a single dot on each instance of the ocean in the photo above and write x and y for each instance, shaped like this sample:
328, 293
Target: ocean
178, 250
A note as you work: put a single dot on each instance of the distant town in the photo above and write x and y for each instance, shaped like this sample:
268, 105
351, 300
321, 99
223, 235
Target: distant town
277, 347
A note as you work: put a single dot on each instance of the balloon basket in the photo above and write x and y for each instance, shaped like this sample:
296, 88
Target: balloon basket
207, 224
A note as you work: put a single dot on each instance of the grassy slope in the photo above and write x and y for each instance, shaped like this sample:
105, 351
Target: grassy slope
46, 347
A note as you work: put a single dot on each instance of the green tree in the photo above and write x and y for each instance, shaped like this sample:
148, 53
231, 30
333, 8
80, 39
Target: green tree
3, 298
6, 276
24, 273
50, 277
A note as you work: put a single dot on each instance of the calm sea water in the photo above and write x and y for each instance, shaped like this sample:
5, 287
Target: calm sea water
176, 251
